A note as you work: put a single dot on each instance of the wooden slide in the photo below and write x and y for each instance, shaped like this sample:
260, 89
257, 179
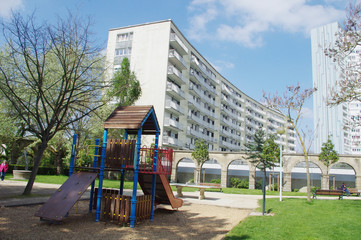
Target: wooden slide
60, 203
163, 192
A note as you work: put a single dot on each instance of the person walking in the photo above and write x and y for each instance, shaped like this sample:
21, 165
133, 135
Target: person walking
3, 168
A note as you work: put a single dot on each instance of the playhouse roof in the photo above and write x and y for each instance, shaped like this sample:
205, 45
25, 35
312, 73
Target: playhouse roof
133, 118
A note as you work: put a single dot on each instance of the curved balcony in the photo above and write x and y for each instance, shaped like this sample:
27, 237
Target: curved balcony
176, 75
175, 91
177, 59
177, 43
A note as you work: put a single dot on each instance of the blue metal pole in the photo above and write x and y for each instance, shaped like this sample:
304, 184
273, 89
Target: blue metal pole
121, 181
126, 134
94, 166
154, 182
122, 172
135, 181
72, 157
101, 175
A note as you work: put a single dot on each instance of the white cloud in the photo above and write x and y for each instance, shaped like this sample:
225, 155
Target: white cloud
6, 6
244, 21
199, 21
219, 65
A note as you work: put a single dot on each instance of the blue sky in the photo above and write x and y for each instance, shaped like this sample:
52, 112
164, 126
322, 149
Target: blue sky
256, 44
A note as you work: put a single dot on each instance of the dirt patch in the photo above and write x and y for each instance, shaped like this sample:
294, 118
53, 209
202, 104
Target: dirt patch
192, 221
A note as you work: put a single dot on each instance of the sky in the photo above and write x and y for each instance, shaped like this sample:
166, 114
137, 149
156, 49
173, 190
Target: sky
258, 45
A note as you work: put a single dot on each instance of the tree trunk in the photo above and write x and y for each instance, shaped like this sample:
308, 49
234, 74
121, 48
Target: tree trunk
59, 156
37, 160
308, 178
197, 176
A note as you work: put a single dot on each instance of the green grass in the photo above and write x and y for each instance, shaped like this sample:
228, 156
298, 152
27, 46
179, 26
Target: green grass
60, 179
298, 219
259, 192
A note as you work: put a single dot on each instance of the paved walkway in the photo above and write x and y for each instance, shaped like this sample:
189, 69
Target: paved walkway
10, 195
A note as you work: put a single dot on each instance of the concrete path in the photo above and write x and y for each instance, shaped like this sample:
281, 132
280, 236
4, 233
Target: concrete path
10, 195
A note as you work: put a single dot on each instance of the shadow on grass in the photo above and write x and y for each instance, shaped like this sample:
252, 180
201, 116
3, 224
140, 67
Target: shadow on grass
238, 237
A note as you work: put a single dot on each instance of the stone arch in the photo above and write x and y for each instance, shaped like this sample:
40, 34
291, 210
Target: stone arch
299, 177
342, 172
272, 177
177, 157
236, 168
184, 170
291, 162
210, 169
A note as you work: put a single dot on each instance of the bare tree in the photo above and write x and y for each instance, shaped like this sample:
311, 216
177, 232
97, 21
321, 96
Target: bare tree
347, 53
51, 75
290, 105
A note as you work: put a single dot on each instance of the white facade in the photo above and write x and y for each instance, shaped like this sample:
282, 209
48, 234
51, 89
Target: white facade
330, 121
191, 99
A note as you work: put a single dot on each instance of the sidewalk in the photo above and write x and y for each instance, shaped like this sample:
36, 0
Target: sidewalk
11, 195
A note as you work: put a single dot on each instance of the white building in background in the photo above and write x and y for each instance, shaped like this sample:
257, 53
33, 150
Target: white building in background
191, 99
331, 121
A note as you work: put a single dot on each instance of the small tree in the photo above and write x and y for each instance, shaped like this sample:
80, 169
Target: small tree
125, 88
290, 106
200, 154
328, 154
263, 152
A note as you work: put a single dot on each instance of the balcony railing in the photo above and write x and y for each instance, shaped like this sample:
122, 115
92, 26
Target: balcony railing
172, 123
174, 88
195, 103
196, 119
178, 44
169, 104
170, 141
177, 58
196, 90
173, 71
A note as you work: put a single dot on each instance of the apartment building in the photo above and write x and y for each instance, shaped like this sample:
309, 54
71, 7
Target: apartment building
191, 99
334, 121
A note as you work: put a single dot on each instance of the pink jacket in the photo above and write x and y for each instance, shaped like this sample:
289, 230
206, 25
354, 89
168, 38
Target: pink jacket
4, 166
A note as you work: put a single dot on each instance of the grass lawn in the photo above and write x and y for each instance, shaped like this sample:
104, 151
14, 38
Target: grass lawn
60, 179
298, 219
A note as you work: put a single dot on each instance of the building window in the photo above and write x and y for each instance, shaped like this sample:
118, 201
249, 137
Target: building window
123, 51
125, 37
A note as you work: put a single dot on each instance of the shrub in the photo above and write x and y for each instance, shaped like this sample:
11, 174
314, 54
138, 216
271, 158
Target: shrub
259, 184
313, 189
217, 180
243, 184
235, 182
239, 183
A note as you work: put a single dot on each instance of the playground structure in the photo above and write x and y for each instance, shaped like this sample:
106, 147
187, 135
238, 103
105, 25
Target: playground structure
150, 166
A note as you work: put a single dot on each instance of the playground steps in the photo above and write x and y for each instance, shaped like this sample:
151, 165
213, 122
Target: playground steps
59, 204
163, 192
